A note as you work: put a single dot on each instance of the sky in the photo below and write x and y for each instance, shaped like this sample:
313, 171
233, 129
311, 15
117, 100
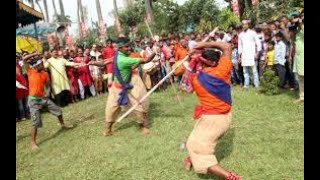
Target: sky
70, 7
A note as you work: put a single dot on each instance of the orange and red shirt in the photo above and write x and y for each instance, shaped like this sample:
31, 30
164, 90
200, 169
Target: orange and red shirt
212, 86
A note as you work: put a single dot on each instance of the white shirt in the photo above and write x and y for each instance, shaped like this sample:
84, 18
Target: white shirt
96, 54
226, 38
248, 45
192, 44
280, 53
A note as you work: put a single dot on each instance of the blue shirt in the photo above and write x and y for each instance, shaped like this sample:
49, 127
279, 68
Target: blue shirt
280, 50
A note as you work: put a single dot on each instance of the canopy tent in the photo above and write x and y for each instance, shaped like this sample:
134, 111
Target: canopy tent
26, 15
31, 32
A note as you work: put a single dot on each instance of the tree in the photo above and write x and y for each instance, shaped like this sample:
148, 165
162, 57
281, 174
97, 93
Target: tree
54, 7
45, 4
79, 6
116, 17
60, 18
202, 14
266, 9
99, 10
61, 8
226, 19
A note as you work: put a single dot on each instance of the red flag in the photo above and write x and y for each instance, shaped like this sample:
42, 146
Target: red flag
83, 29
102, 29
50, 40
235, 7
254, 2
68, 38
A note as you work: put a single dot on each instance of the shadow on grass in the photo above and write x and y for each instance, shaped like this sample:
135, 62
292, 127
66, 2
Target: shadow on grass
223, 150
19, 138
154, 111
56, 134
293, 94
74, 122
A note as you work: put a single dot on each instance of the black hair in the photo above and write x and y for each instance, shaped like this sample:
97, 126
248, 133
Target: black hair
271, 42
54, 49
109, 40
258, 29
211, 55
279, 34
123, 40
100, 56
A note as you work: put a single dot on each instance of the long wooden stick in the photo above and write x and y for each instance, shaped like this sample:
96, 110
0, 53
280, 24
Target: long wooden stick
174, 89
151, 90
157, 85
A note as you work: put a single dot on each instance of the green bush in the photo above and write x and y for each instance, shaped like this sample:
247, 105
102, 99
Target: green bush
269, 83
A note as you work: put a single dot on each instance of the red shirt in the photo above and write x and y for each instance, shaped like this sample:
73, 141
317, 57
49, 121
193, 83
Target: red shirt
107, 53
21, 93
84, 72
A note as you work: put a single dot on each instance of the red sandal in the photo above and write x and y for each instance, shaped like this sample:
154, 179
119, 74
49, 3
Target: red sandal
233, 176
187, 163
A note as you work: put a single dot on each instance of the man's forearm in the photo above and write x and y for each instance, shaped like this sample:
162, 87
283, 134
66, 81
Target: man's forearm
148, 59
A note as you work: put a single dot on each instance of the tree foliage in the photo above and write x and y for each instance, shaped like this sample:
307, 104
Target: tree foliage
269, 83
198, 15
267, 9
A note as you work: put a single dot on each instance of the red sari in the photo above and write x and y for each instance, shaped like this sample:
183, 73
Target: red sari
84, 72
21, 93
73, 80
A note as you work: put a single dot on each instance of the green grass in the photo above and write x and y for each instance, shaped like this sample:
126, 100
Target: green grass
265, 141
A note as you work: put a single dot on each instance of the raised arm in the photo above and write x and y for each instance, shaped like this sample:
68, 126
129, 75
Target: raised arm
26, 59
211, 34
224, 47
148, 59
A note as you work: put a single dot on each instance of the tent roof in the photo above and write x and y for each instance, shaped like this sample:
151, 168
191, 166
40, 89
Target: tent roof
41, 31
26, 15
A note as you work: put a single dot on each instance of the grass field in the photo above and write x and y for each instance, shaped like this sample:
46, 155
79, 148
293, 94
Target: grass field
265, 141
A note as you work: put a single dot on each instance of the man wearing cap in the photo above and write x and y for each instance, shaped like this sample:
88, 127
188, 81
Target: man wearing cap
39, 92
123, 90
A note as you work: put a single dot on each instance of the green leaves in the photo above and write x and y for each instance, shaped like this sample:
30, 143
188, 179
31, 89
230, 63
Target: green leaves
269, 83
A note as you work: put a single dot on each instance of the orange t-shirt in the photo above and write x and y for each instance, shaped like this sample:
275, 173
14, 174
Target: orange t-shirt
209, 103
180, 53
37, 81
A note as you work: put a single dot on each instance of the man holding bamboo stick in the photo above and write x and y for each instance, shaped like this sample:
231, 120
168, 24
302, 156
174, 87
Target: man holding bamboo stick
123, 91
213, 114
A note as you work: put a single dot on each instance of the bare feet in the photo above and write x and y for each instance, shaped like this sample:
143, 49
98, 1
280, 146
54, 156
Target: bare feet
34, 146
65, 127
145, 131
233, 176
299, 101
107, 133
187, 164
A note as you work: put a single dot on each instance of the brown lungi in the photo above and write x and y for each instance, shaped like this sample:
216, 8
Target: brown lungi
136, 93
203, 140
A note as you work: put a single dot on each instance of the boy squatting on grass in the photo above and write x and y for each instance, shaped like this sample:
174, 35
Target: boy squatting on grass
39, 93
